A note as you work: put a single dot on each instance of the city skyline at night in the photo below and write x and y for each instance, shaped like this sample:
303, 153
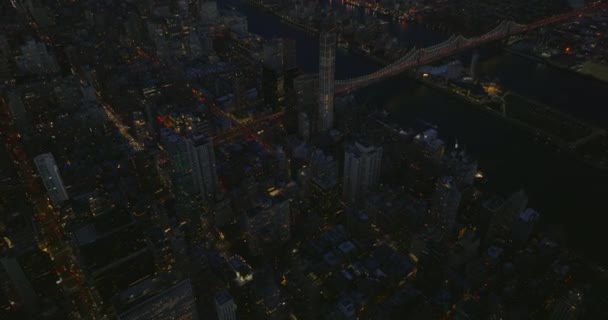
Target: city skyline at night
296, 159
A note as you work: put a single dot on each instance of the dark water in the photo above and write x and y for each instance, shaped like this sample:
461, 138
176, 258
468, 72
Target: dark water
565, 191
413, 34
581, 96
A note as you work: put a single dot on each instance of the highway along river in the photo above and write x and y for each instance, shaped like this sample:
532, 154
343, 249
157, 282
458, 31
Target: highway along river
566, 192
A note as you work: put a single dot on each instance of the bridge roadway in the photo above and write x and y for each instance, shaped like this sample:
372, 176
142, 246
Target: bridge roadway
456, 44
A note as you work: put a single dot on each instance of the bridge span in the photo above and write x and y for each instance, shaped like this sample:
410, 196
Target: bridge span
455, 44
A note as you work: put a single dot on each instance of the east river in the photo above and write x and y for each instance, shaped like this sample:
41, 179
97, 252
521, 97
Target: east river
565, 191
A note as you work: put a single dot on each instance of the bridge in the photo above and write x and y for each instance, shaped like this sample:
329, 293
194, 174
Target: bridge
455, 44
414, 58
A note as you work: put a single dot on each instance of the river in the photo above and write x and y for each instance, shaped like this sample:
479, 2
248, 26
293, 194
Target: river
565, 191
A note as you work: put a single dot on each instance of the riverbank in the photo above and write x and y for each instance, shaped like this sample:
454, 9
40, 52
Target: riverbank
553, 64
543, 113
269, 9
535, 112
596, 70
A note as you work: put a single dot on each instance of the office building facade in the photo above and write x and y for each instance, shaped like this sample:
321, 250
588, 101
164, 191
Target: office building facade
361, 170
202, 160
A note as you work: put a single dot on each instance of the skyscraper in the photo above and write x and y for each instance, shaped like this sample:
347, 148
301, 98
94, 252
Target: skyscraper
268, 224
323, 188
183, 7
225, 306
303, 126
306, 87
145, 168
445, 202
273, 87
180, 168
461, 166
273, 55
49, 173
5, 57
139, 124
327, 70
289, 54
202, 159
237, 79
523, 226
503, 215
36, 59
361, 169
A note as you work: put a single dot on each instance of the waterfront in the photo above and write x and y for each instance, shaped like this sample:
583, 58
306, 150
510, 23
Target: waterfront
510, 157
552, 86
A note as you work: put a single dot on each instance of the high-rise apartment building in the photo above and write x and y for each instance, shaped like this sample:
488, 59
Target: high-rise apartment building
180, 168
324, 167
289, 54
327, 70
36, 59
524, 225
361, 169
461, 166
268, 224
202, 159
303, 126
306, 87
49, 173
273, 87
503, 215
273, 55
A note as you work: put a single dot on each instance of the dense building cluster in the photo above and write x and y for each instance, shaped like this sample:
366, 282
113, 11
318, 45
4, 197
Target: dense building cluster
159, 161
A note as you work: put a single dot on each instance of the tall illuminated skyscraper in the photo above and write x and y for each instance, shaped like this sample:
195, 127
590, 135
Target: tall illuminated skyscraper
327, 70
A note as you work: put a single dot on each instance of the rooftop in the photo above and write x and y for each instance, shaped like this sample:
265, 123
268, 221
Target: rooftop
222, 297
529, 215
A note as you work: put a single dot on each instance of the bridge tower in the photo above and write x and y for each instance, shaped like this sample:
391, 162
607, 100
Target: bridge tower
473, 66
507, 33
